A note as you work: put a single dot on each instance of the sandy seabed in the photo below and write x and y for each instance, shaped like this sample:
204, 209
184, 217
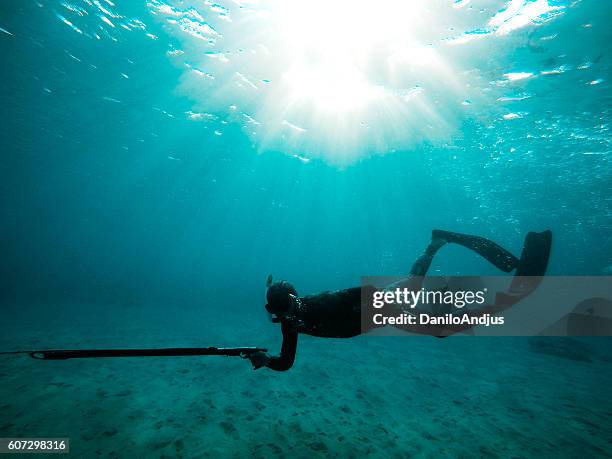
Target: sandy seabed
369, 396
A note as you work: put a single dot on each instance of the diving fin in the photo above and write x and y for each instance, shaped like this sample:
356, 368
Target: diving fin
533, 263
535, 254
487, 249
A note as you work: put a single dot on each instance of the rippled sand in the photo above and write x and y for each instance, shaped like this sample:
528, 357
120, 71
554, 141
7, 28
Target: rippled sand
383, 397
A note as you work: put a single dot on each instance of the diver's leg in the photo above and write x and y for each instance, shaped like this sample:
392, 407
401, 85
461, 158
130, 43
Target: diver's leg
535, 254
491, 251
533, 263
486, 248
529, 272
419, 269
422, 264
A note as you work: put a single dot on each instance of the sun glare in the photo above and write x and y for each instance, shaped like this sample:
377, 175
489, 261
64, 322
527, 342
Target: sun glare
330, 47
342, 79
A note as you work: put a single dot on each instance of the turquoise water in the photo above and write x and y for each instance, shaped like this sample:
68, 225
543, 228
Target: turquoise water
160, 160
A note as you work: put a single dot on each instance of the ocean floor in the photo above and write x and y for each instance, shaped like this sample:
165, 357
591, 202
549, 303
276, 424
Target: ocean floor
370, 396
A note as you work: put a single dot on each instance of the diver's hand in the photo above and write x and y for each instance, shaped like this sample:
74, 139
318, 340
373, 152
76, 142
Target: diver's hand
259, 359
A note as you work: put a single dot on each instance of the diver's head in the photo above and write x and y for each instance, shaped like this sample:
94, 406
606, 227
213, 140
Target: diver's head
280, 296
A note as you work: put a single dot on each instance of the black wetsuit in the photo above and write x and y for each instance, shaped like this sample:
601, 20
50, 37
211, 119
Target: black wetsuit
327, 315
338, 314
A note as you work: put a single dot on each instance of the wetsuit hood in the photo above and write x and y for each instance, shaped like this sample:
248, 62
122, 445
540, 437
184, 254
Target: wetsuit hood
280, 297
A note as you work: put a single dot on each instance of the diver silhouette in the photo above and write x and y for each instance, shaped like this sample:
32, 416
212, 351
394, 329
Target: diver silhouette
338, 314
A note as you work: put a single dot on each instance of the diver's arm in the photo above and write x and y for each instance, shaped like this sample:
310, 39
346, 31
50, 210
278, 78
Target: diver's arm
287, 354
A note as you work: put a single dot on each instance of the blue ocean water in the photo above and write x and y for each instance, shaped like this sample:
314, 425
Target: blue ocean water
159, 160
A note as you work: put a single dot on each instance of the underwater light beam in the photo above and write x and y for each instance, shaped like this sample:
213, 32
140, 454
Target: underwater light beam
337, 80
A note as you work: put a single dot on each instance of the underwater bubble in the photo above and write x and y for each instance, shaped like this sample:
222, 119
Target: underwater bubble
68, 23
515, 116
556, 71
516, 76
107, 21
200, 116
517, 98
111, 99
293, 126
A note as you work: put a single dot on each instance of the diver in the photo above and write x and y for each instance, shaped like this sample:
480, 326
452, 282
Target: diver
338, 314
